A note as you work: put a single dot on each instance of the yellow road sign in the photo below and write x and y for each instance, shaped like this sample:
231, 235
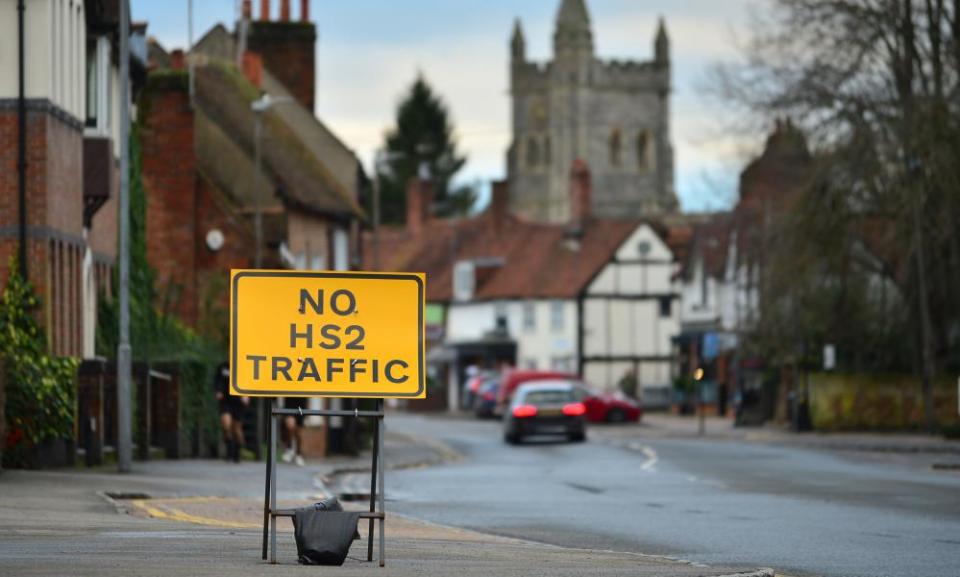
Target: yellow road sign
327, 334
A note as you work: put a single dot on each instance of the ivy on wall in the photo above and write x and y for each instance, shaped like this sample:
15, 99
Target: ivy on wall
40, 388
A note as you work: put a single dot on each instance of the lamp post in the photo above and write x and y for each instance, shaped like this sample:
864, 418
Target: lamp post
124, 353
381, 158
258, 107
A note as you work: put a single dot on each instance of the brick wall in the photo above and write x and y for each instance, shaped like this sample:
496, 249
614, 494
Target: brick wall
169, 180
54, 216
288, 52
213, 266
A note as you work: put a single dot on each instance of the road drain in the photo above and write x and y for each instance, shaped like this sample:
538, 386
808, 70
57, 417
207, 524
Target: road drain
126, 496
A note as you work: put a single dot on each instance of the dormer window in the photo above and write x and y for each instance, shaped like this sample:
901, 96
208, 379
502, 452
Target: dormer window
464, 280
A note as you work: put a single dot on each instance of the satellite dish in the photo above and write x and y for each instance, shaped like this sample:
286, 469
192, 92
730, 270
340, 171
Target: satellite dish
215, 239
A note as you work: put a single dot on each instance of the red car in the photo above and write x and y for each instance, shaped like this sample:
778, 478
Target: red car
609, 407
513, 379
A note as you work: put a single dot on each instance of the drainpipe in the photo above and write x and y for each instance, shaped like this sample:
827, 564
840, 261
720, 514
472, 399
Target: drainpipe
22, 141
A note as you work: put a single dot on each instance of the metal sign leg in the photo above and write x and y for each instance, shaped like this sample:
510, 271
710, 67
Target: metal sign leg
381, 432
373, 489
267, 408
273, 490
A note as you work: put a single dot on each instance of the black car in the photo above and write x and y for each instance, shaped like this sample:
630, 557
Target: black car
545, 408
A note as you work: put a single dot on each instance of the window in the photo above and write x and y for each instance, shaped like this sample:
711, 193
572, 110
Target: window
557, 320
530, 364
546, 151
533, 152
529, 316
644, 150
92, 85
615, 148
500, 316
666, 307
463, 280
561, 364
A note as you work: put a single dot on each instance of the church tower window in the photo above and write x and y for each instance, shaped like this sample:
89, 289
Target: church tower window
616, 147
644, 151
533, 152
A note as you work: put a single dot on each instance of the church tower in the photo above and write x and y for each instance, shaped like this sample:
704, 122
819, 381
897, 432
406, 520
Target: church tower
614, 115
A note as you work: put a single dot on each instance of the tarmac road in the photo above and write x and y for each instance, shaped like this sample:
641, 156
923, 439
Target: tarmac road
731, 502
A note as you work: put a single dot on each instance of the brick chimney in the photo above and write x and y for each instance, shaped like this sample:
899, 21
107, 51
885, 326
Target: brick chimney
580, 196
253, 68
500, 203
581, 192
246, 10
288, 49
178, 61
419, 204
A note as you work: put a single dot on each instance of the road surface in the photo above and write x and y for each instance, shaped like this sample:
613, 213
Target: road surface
730, 502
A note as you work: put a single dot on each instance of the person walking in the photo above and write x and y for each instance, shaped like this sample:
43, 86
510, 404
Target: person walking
294, 426
231, 412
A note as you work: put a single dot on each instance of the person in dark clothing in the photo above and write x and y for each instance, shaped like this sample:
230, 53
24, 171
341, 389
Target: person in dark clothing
294, 426
231, 412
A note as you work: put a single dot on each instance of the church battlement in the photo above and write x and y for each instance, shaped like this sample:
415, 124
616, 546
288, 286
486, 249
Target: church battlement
612, 114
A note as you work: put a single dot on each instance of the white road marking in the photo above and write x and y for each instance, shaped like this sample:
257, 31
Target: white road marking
652, 459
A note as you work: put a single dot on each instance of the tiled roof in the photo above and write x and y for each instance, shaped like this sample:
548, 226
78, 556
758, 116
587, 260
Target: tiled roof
526, 259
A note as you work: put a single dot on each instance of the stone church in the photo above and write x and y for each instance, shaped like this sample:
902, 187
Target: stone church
614, 115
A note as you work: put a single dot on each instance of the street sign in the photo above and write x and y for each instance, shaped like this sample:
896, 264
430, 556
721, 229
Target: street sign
327, 334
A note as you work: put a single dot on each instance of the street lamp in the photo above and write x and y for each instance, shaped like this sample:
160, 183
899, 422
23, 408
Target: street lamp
259, 106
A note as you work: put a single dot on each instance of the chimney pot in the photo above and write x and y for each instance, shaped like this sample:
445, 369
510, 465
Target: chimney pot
265, 10
253, 68
304, 10
284, 10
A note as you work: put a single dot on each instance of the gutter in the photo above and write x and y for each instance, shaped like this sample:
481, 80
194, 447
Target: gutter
22, 141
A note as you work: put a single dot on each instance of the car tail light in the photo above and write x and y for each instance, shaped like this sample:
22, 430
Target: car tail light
574, 409
524, 411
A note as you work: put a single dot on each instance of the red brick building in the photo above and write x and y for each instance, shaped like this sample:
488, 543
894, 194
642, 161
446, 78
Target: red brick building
199, 165
70, 150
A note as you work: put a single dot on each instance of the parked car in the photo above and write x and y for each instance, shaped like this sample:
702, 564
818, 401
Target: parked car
545, 408
485, 400
513, 379
609, 407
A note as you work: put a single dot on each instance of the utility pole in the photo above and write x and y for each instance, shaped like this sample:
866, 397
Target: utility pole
258, 207
124, 434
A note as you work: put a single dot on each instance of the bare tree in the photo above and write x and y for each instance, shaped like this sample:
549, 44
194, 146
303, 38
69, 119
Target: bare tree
875, 85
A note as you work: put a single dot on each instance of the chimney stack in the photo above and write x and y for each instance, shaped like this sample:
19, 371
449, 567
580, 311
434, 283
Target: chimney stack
304, 10
500, 203
580, 194
265, 10
284, 10
246, 11
419, 204
178, 59
253, 68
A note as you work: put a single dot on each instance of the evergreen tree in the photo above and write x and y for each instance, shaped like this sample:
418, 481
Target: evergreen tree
422, 137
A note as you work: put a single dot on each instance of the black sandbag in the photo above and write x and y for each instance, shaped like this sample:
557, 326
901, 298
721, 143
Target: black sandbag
324, 536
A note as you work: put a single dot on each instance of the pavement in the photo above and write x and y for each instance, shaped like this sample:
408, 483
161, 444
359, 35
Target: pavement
199, 518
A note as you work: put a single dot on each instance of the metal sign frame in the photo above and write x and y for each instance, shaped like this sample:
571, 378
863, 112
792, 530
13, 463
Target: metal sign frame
376, 512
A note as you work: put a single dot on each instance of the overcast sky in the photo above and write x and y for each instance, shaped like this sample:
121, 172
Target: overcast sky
369, 51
